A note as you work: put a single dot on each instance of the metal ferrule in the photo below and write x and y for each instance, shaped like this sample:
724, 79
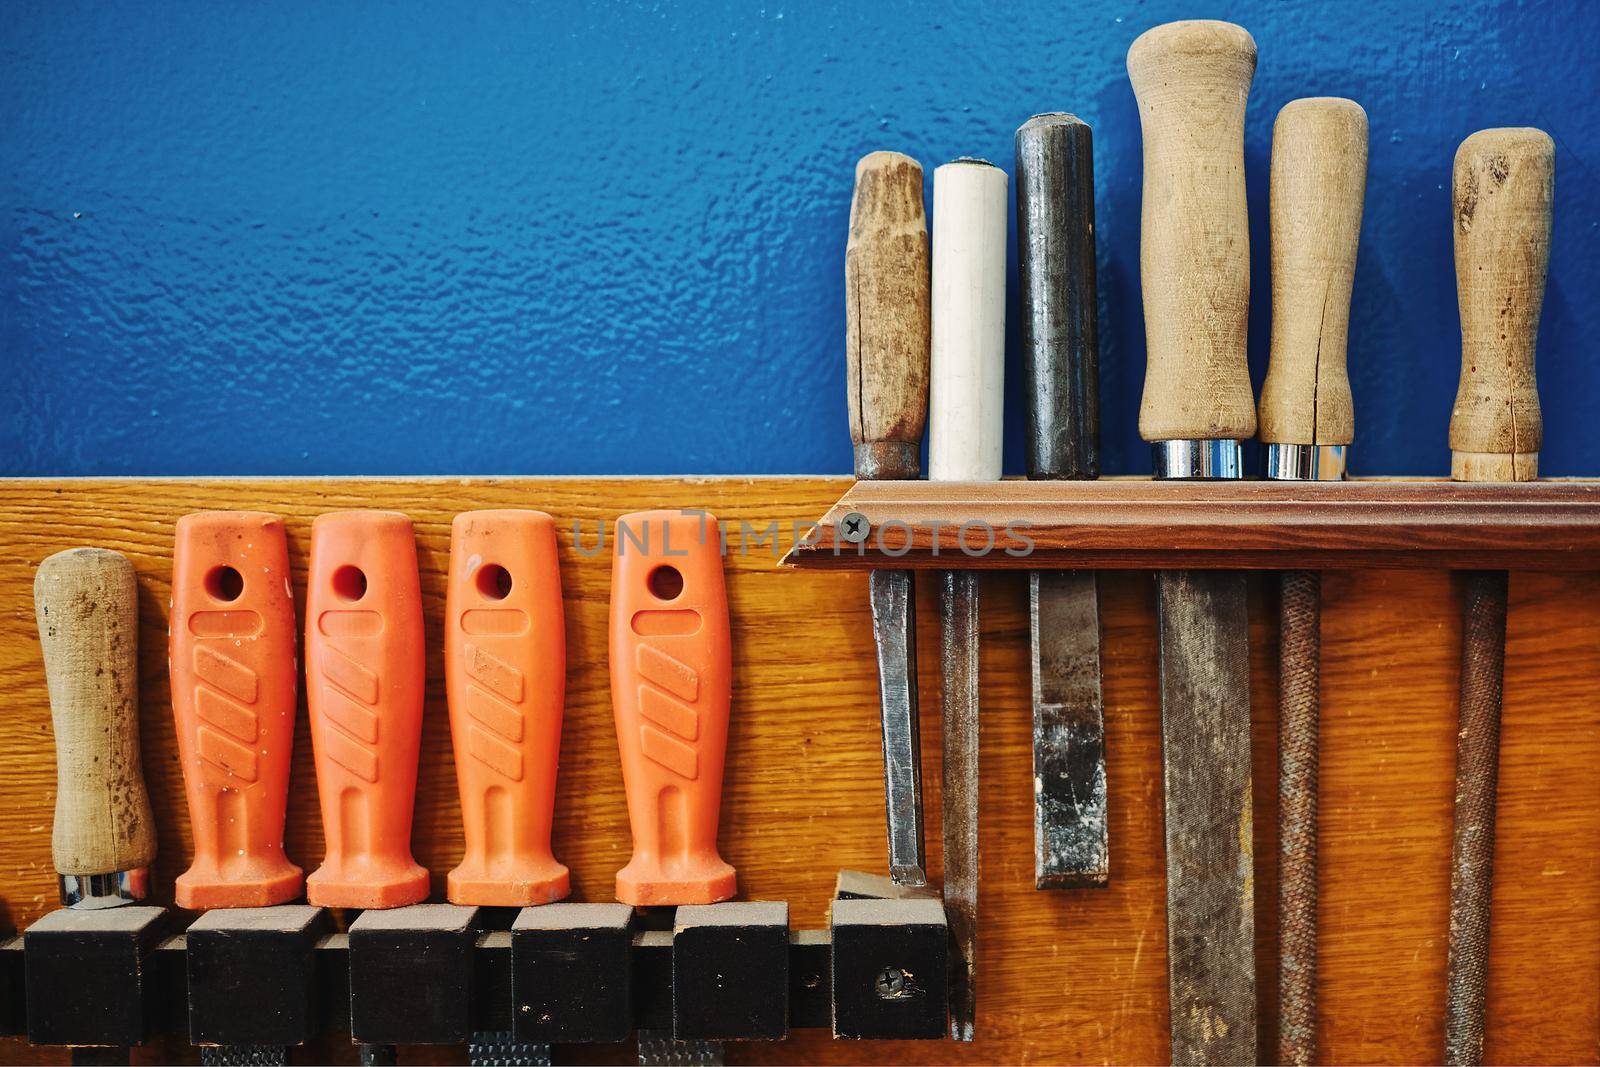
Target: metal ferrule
90, 892
1175, 460
1305, 463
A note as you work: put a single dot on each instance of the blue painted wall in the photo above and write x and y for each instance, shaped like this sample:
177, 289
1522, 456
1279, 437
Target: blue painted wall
302, 237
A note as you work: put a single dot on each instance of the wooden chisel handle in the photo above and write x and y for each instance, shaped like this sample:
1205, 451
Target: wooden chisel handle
1503, 189
1319, 180
1191, 80
1060, 338
886, 316
231, 660
87, 606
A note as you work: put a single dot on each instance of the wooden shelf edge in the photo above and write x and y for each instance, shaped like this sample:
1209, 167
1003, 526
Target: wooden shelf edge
1139, 524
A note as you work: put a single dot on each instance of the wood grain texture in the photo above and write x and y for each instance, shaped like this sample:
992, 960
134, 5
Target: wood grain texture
1277, 525
886, 278
1191, 80
1067, 976
1502, 192
1319, 182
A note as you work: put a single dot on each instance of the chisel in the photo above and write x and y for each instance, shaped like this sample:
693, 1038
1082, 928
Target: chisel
234, 680
1061, 354
1319, 177
886, 353
1503, 189
103, 840
967, 379
1191, 80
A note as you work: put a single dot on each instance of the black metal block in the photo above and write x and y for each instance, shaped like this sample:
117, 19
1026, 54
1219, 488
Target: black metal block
12, 1018
889, 965
252, 975
730, 972
86, 976
652, 980
411, 972
810, 979
571, 973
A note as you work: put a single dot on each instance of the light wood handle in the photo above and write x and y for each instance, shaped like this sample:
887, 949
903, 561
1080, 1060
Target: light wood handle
886, 316
87, 606
1319, 180
1191, 80
1503, 187
968, 365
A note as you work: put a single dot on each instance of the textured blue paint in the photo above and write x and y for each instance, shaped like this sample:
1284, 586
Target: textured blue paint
310, 237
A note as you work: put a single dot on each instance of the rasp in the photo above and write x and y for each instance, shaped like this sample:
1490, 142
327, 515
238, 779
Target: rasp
1061, 357
1191, 80
1502, 192
886, 353
1319, 177
967, 386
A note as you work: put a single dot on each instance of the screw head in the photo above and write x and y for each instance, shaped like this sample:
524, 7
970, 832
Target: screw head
854, 528
891, 982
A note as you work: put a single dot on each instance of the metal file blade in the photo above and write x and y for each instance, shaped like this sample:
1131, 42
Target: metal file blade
1205, 756
892, 596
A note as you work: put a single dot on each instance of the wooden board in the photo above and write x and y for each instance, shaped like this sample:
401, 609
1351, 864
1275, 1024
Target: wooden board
1063, 976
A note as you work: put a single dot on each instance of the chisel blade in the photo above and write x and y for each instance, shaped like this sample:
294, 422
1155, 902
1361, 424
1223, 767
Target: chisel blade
958, 611
892, 596
1205, 741
1069, 771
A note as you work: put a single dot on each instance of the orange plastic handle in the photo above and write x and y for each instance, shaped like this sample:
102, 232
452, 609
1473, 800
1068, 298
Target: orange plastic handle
364, 687
231, 659
671, 683
505, 669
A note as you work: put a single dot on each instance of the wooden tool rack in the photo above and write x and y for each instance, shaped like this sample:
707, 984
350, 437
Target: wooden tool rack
1064, 975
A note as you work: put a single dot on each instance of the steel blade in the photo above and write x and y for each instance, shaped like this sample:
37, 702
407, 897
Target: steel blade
1205, 740
892, 595
1069, 770
959, 661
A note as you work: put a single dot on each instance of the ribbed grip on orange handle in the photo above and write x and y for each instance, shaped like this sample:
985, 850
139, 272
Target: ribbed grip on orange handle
671, 682
231, 658
364, 688
505, 655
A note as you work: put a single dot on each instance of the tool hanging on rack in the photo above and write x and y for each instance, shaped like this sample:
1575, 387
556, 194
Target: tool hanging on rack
886, 355
967, 378
364, 689
1502, 192
505, 667
1191, 80
1319, 175
1061, 355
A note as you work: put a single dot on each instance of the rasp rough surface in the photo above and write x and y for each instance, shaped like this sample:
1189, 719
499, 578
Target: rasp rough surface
1205, 739
958, 609
1069, 772
1483, 654
1299, 653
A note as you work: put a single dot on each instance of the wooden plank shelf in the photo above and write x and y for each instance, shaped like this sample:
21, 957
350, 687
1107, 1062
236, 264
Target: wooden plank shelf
1139, 524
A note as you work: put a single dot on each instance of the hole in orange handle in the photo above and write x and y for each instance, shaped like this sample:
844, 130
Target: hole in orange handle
494, 581
350, 582
224, 583
665, 582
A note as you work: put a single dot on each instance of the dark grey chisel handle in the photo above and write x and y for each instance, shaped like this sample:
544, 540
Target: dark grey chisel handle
1060, 338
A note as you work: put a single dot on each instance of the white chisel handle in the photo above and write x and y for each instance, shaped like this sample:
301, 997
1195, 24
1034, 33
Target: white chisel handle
969, 322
